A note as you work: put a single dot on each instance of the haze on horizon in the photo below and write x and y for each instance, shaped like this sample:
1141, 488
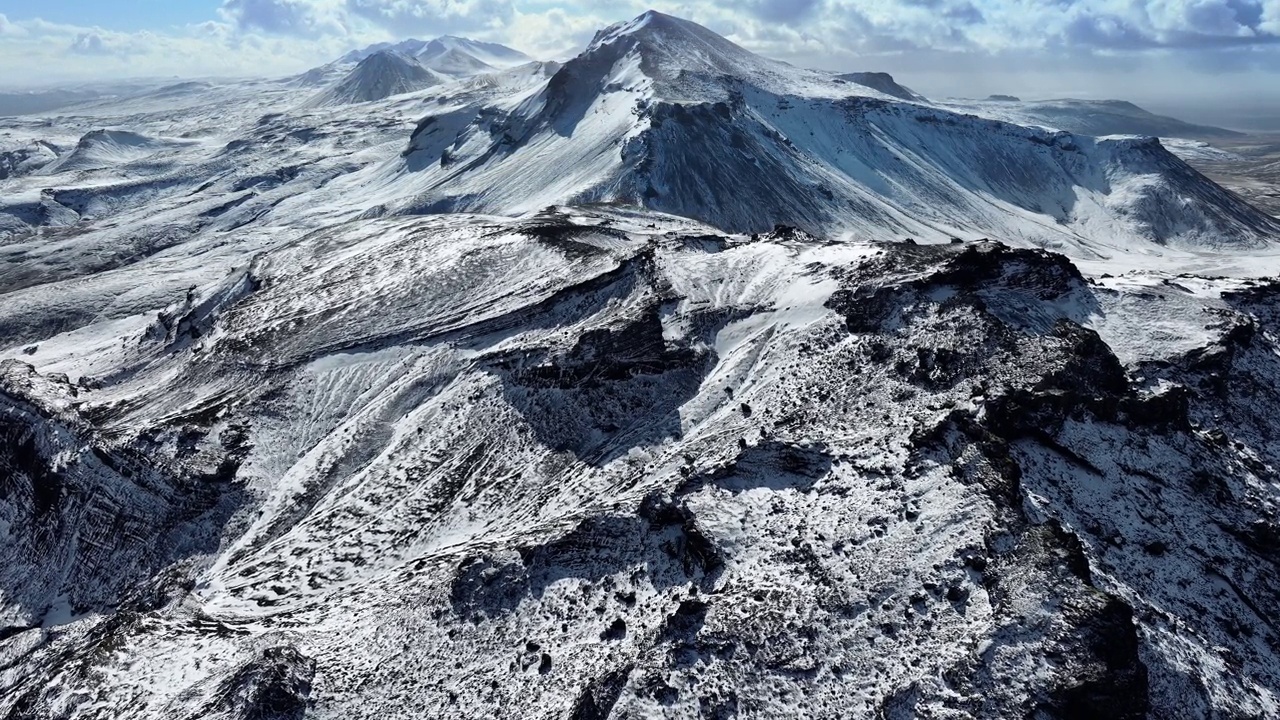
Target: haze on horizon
1213, 61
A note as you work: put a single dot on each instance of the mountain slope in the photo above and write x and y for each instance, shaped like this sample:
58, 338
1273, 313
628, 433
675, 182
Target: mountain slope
662, 113
613, 465
271, 448
378, 76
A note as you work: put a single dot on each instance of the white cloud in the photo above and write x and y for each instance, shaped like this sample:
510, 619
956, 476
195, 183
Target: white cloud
973, 42
37, 52
435, 17
1270, 16
89, 43
303, 18
8, 27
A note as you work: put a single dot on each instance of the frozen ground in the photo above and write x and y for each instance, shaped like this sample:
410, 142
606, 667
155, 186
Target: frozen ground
278, 442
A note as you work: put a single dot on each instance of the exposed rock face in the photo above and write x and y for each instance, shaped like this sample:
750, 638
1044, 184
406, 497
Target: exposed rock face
587, 468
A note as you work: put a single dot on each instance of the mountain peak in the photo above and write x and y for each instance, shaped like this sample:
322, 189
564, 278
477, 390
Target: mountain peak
653, 25
383, 73
655, 19
386, 55
683, 59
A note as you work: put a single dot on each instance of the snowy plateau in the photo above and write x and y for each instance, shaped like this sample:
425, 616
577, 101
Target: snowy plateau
666, 382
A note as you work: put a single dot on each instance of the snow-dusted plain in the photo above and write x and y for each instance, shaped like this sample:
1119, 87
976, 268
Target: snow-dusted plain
505, 397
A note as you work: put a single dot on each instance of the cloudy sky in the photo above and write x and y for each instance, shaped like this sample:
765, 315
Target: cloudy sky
1201, 57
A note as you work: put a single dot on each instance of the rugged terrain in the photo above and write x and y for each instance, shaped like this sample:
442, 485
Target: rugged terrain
281, 440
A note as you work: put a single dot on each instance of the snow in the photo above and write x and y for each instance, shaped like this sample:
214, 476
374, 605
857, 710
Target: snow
429, 395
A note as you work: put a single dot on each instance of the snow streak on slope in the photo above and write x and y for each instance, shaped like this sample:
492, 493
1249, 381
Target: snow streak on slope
608, 465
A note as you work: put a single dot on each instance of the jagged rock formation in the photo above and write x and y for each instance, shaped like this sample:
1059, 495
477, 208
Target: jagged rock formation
583, 466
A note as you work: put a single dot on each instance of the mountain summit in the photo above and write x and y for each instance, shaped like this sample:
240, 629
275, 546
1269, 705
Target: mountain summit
380, 75
440, 52
663, 113
683, 60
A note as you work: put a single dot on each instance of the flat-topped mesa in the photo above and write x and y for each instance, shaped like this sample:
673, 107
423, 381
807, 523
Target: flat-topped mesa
883, 82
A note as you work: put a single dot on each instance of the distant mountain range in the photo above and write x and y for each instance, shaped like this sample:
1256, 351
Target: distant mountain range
385, 69
441, 52
1090, 117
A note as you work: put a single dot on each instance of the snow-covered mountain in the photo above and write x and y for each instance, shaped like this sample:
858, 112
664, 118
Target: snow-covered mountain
663, 113
450, 58
468, 55
378, 76
385, 69
474, 55
280, 440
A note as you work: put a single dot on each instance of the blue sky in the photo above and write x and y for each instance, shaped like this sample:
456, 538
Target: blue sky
123, 15
1198, 51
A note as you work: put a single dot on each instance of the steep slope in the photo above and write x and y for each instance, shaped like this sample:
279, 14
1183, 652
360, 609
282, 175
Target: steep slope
611, 464
663, 113
381, 75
